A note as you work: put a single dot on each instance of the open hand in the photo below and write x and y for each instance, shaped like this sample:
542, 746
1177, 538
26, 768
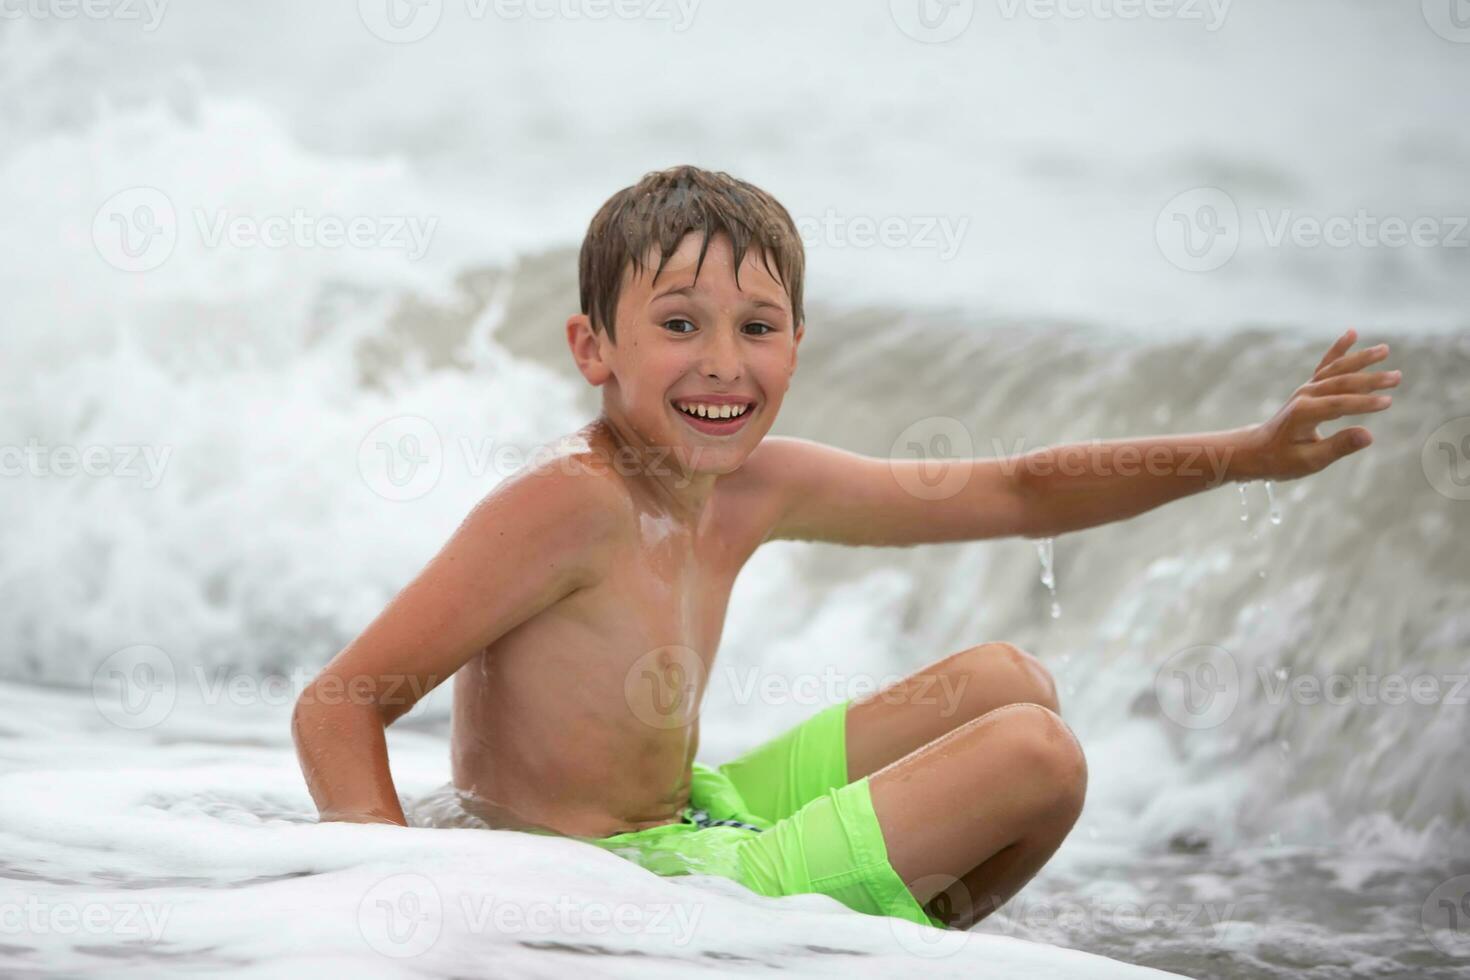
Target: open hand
1288, 446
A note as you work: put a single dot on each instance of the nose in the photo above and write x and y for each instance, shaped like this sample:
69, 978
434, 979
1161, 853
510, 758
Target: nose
720, 356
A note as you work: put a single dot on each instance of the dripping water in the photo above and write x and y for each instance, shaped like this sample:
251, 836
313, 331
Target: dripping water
1048, 574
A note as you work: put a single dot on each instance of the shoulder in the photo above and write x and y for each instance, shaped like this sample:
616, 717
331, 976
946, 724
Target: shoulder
772, 480
790, 464
564, 505
776, 456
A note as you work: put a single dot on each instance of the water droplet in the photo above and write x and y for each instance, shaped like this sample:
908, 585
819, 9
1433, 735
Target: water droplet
1048, 574
1271, 500
1245, 507
1261, 573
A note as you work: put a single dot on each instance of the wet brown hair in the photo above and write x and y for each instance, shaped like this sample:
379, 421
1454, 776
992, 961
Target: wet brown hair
665, 206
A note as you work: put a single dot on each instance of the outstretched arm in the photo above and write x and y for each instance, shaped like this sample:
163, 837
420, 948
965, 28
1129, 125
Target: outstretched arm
1078, 486
829, 494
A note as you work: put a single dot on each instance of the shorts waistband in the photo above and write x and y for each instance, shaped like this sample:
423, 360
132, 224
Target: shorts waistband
701, 818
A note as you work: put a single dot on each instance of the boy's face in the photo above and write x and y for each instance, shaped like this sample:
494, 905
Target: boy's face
683, 342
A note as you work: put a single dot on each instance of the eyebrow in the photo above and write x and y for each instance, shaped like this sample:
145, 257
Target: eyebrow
689, 290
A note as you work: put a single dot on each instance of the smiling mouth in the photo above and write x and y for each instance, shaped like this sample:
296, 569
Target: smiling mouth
714, 421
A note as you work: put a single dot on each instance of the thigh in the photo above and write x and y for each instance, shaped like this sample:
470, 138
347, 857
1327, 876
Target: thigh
890, 723
785, 773
1013, 774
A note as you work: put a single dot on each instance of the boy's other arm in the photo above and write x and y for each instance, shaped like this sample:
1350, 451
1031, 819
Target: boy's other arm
529, 543
829, 494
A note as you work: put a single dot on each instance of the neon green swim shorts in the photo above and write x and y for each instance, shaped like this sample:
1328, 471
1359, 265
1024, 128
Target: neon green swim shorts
782, 820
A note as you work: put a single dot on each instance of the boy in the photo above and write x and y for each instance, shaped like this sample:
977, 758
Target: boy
581, 602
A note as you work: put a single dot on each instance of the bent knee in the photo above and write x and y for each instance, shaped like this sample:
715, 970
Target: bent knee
1019, 676
1046, 754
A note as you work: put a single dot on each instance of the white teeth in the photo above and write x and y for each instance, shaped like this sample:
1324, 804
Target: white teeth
714, 411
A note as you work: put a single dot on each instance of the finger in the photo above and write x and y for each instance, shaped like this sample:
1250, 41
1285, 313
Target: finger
1337, 349
1338, 445
1355, 361
1318, 410
1349, 383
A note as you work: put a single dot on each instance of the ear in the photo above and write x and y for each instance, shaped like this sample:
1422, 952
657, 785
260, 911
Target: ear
795, 343
587, 349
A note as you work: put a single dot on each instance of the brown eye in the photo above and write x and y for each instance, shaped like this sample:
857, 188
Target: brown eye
765, 328
679, 320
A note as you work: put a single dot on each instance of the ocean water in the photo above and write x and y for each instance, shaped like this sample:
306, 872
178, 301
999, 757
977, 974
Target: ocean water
197, 386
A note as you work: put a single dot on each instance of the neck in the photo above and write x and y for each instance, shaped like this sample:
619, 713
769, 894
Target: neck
659, 473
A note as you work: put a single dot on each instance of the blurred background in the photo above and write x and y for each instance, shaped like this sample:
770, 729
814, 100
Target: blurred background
282, 294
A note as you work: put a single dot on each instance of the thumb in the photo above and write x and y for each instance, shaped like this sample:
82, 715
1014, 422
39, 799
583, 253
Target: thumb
1324, 453
1348, 441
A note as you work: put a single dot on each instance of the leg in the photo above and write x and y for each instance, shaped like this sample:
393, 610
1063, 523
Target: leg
889, 724
985, 805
